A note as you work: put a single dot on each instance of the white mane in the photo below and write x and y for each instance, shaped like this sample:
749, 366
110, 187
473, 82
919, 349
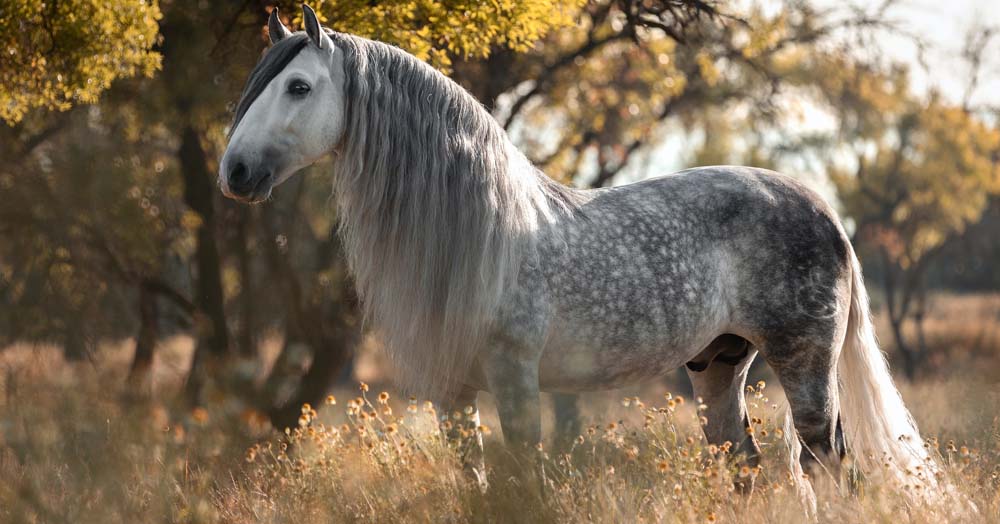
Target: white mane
436, 209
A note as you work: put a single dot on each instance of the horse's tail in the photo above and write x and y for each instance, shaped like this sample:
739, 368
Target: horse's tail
881, 434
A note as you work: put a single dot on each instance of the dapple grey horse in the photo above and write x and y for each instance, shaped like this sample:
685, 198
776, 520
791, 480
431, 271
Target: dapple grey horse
481, 274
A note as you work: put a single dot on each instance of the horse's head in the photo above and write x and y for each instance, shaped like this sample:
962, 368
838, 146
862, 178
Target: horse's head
291, 112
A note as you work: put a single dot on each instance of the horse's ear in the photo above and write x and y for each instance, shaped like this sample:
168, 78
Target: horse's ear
313, 29
275, 29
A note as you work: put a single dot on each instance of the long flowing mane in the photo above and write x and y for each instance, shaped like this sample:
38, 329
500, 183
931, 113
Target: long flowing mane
434, 216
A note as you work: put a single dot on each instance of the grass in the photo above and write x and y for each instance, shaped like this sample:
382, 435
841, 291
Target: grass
72, 450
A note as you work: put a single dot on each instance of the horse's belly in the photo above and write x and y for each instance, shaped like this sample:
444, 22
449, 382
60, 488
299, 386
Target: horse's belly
573, 364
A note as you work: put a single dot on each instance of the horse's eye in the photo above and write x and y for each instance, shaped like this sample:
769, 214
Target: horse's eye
298, 88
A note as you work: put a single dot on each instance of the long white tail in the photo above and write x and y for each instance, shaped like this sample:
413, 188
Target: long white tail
881, 435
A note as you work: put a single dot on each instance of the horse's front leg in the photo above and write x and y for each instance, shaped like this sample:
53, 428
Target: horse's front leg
460, 424
512, 377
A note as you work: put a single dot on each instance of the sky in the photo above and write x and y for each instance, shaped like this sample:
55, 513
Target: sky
944, 25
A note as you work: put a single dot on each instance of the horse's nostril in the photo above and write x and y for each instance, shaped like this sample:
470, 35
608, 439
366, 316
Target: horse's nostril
238, 175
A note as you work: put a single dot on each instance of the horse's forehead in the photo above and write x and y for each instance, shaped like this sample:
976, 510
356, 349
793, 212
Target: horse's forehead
315, 57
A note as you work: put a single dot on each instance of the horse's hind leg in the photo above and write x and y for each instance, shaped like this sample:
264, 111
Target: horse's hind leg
807, 371
718, 375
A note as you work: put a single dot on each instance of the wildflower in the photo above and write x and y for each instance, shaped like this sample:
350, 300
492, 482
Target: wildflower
383, 397
469, 410
761, 384
580, 439
331, 400
364, 387
483, 429
677, 489
744, 472
306, 409
386, 411
626, 402
412, 408
539, 447
428, 407
710, 517
200, 415
251, 455
778, 432
750, 430
663, 466
391, 429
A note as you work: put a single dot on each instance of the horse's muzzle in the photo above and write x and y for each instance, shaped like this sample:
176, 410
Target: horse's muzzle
246, 183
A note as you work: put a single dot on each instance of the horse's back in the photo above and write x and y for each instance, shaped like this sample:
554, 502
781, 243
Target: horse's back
647, 274
788, 252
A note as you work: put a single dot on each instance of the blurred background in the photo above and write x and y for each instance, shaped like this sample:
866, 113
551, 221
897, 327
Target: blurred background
126, 277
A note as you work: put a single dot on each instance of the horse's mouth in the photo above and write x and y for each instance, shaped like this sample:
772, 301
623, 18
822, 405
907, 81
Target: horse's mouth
260, 191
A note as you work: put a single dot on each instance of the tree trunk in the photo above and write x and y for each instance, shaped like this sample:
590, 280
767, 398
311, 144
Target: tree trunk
324, 323
919, 314
139, 381
328, 360
249, 329
74, 341
898, 303
212, 336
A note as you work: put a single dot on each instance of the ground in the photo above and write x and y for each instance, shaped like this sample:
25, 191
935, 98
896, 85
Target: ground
72, 449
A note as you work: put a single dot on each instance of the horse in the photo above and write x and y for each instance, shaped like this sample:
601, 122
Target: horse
482, 274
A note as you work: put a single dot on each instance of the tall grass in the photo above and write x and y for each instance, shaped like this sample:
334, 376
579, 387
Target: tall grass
77, 453
74, 448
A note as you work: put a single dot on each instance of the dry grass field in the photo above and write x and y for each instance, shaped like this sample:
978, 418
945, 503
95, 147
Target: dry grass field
71, 450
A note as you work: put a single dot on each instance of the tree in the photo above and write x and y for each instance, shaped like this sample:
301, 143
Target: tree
928, 177
911, 173
59, 54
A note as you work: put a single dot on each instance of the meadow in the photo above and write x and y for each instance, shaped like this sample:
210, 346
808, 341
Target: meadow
74, 447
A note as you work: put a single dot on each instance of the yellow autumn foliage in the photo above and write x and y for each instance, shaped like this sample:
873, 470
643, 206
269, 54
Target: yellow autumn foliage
435, 31
58, 54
